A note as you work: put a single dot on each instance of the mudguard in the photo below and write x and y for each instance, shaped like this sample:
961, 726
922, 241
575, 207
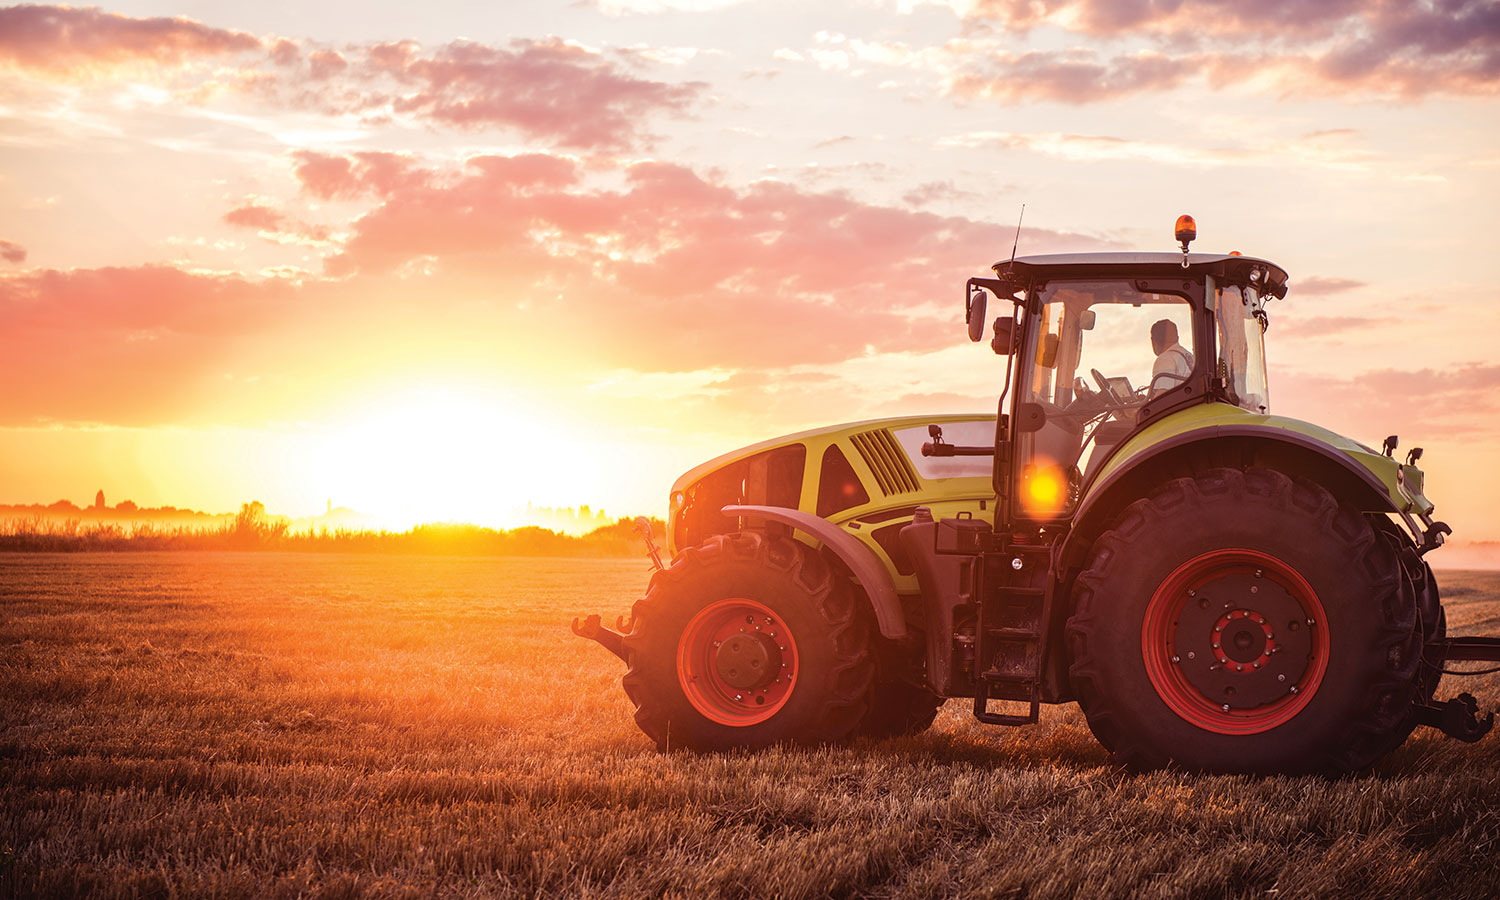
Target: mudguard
1378, 493
861, 561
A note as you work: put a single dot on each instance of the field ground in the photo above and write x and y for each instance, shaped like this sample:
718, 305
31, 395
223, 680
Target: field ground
278, 725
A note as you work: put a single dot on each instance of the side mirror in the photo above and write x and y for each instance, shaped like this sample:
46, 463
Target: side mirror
1086, 320
974, 314
1001, 342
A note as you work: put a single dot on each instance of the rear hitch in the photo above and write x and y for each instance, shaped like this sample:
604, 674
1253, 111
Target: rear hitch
592, 629
1457, 718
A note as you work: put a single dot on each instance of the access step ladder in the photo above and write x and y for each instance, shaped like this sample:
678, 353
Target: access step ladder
1013, 612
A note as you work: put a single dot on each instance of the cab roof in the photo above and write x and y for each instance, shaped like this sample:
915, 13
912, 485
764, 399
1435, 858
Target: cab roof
1222, 265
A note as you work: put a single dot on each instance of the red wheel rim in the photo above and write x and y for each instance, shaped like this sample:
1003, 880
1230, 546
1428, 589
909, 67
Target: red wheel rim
1235, 642
737, 662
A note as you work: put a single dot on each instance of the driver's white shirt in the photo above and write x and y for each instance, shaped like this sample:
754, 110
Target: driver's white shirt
1175, 360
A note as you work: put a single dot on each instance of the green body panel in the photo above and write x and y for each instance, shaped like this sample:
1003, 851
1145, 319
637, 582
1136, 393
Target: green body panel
945, 496
1403, 483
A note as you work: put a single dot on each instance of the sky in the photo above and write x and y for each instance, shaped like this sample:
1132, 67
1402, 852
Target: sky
436, 262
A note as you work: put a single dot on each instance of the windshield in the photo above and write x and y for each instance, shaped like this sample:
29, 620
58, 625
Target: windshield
1242, 348
1102, 350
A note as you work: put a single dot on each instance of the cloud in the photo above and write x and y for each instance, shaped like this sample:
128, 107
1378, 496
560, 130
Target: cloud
549, 89
334, 177
546, 89
676, 272
1076, 76
1318, 285
1401, 50
255, 216
522, 261
12, 252
1457, 402
68, 42
138, 345
938, 191
276, 226
1325, 326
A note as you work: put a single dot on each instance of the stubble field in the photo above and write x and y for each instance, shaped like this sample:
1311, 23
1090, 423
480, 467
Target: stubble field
286, 725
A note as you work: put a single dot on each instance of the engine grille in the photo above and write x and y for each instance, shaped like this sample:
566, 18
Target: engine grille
886, 459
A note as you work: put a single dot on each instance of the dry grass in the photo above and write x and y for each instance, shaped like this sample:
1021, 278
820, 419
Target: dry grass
292, 725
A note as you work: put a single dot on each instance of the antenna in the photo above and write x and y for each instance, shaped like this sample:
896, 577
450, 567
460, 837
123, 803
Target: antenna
1018, 233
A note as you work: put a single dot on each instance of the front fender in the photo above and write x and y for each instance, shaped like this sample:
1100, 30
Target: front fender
865, 565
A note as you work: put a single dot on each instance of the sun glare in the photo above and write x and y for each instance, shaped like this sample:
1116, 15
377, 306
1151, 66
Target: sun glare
445, 456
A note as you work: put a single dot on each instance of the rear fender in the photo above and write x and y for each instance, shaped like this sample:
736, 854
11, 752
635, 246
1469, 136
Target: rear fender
1234, 446
865, 565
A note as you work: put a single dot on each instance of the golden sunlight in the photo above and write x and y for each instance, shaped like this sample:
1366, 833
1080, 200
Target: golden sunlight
445, 455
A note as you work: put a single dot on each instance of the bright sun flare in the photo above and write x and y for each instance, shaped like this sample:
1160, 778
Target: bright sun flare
446, 456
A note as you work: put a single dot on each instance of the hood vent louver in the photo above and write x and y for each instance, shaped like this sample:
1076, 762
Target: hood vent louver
887, 460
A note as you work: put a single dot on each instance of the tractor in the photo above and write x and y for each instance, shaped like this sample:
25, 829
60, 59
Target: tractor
1220, 589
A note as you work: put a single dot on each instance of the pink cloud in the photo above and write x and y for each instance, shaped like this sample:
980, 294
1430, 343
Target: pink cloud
677, 272
123, 345
332, 177
1460, 401
662, 270
1069, 77
1319, 285
66, 41
12, 252
255, 216
547, 89
1395, 49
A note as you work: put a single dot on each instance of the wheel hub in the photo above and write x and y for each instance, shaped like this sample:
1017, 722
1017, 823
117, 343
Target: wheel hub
737, 662
1229, 646
1235, 641
748, 661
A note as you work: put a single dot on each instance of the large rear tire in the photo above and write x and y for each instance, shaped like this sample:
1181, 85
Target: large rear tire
747, 641
1244, 621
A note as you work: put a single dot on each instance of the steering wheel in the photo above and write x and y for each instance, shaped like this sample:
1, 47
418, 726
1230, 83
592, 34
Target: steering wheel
1105, 390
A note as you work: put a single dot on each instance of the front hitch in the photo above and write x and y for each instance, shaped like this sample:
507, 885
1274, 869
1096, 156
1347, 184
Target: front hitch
1457, 718
592, 629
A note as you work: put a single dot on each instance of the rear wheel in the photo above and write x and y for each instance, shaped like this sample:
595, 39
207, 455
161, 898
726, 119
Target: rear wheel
746, 641
1244, 621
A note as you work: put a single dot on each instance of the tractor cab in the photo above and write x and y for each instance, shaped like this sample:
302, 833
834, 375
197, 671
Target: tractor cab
1101, 345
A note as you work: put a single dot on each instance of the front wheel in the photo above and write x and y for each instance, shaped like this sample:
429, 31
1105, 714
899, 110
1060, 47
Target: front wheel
1244, 621
747, 641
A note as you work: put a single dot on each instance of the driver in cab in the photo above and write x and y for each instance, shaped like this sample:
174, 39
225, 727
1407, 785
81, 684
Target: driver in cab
1173, 361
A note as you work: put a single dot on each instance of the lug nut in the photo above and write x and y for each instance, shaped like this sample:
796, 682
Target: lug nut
1176, 659
1192, 655
1281, 678
1015, 563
